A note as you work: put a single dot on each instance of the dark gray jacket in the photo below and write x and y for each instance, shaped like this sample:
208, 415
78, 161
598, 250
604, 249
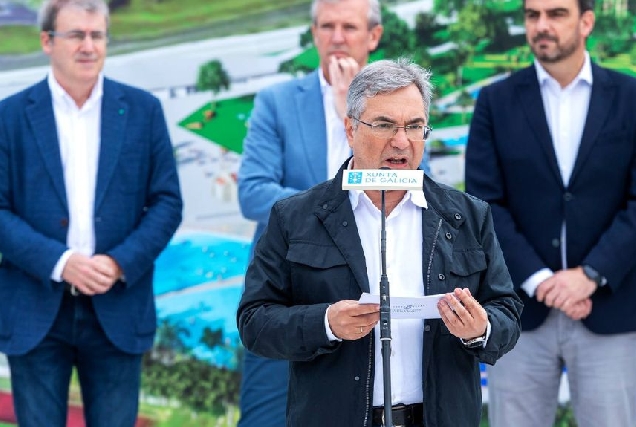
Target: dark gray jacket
311, 256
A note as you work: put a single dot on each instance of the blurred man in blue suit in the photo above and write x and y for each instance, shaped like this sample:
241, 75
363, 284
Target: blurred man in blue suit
296, 140
89, 197
553, 149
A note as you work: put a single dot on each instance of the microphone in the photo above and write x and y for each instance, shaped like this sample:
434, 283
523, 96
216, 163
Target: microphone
382, 179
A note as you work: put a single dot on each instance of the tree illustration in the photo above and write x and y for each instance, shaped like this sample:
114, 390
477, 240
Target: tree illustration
213, 77
398, 37
464, 101
169, 341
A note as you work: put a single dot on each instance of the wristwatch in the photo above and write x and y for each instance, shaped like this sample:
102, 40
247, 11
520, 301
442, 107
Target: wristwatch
594, 275
475, 342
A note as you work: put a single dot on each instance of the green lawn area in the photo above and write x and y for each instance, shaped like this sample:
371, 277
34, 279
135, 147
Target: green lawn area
144, 18
225, 123
173, 21
19, 39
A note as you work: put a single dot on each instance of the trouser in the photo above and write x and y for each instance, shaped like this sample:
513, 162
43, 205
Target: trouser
109, 378
523, 385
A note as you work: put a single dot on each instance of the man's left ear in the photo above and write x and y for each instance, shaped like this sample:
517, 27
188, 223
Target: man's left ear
374, 37
348, 125
45, 42
587, 23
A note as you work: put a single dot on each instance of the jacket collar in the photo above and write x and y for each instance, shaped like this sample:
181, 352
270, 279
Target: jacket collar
114, 118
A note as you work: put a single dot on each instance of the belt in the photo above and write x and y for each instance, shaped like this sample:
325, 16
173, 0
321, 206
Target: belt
403, 415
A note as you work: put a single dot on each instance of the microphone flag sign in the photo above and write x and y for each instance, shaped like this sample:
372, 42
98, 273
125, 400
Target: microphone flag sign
382, 179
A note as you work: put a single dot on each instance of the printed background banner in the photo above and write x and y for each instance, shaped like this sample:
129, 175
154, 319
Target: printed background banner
205, 60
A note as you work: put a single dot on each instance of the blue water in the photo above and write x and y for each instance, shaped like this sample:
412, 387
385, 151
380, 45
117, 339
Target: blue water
198, 265
456, 141
193, 259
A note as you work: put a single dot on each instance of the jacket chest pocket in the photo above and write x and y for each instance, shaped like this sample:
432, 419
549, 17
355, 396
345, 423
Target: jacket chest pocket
466, 269
319, 274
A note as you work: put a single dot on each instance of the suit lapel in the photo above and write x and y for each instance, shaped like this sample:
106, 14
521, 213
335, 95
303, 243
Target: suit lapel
313, 125
42, 120
334, 210
601, 99
530, 98
114, 118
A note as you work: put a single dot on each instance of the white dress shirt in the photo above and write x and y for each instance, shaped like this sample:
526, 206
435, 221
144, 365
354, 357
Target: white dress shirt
337, 145
78, 132
566, 112
404, 270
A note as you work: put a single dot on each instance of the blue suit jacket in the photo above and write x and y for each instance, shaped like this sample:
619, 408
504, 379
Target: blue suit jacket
137, 209
511, 163
285, 150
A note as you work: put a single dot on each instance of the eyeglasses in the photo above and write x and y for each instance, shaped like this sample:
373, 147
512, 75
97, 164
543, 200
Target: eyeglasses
78, 36
414, 132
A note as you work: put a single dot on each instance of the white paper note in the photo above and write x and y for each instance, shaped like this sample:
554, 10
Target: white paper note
408, 307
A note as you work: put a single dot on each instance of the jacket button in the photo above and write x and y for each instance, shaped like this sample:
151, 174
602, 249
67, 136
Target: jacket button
458, 216
357, 378
449, 236
427, 328
568, 197
556, 243
325, 206
345, 223
64, 222
441, 277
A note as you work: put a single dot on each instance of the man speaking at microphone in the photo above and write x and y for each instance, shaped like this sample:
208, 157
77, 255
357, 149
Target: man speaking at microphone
321, 251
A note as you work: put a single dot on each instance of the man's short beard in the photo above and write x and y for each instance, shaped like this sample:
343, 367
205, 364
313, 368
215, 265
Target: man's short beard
561, 54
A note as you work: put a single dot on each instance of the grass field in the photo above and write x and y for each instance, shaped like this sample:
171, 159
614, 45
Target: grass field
147, 18
152, 23
224, 122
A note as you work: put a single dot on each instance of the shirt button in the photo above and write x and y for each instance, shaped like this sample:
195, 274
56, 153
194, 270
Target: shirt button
568, 197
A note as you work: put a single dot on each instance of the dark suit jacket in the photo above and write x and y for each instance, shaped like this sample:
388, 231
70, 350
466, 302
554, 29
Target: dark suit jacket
511, 163
137, 209
311, 255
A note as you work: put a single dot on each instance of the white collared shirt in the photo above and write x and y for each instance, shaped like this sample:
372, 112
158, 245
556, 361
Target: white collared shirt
78, 132
337, 145
404, 270
566, 112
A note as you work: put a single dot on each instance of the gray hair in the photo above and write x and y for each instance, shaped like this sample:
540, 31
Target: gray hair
387, 76
374, 18
49, 10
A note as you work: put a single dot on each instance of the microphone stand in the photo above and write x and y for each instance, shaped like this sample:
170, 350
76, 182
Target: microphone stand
385, 320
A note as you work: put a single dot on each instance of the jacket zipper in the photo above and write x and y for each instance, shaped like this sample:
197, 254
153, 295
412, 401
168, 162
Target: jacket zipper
430, 258
368, 403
